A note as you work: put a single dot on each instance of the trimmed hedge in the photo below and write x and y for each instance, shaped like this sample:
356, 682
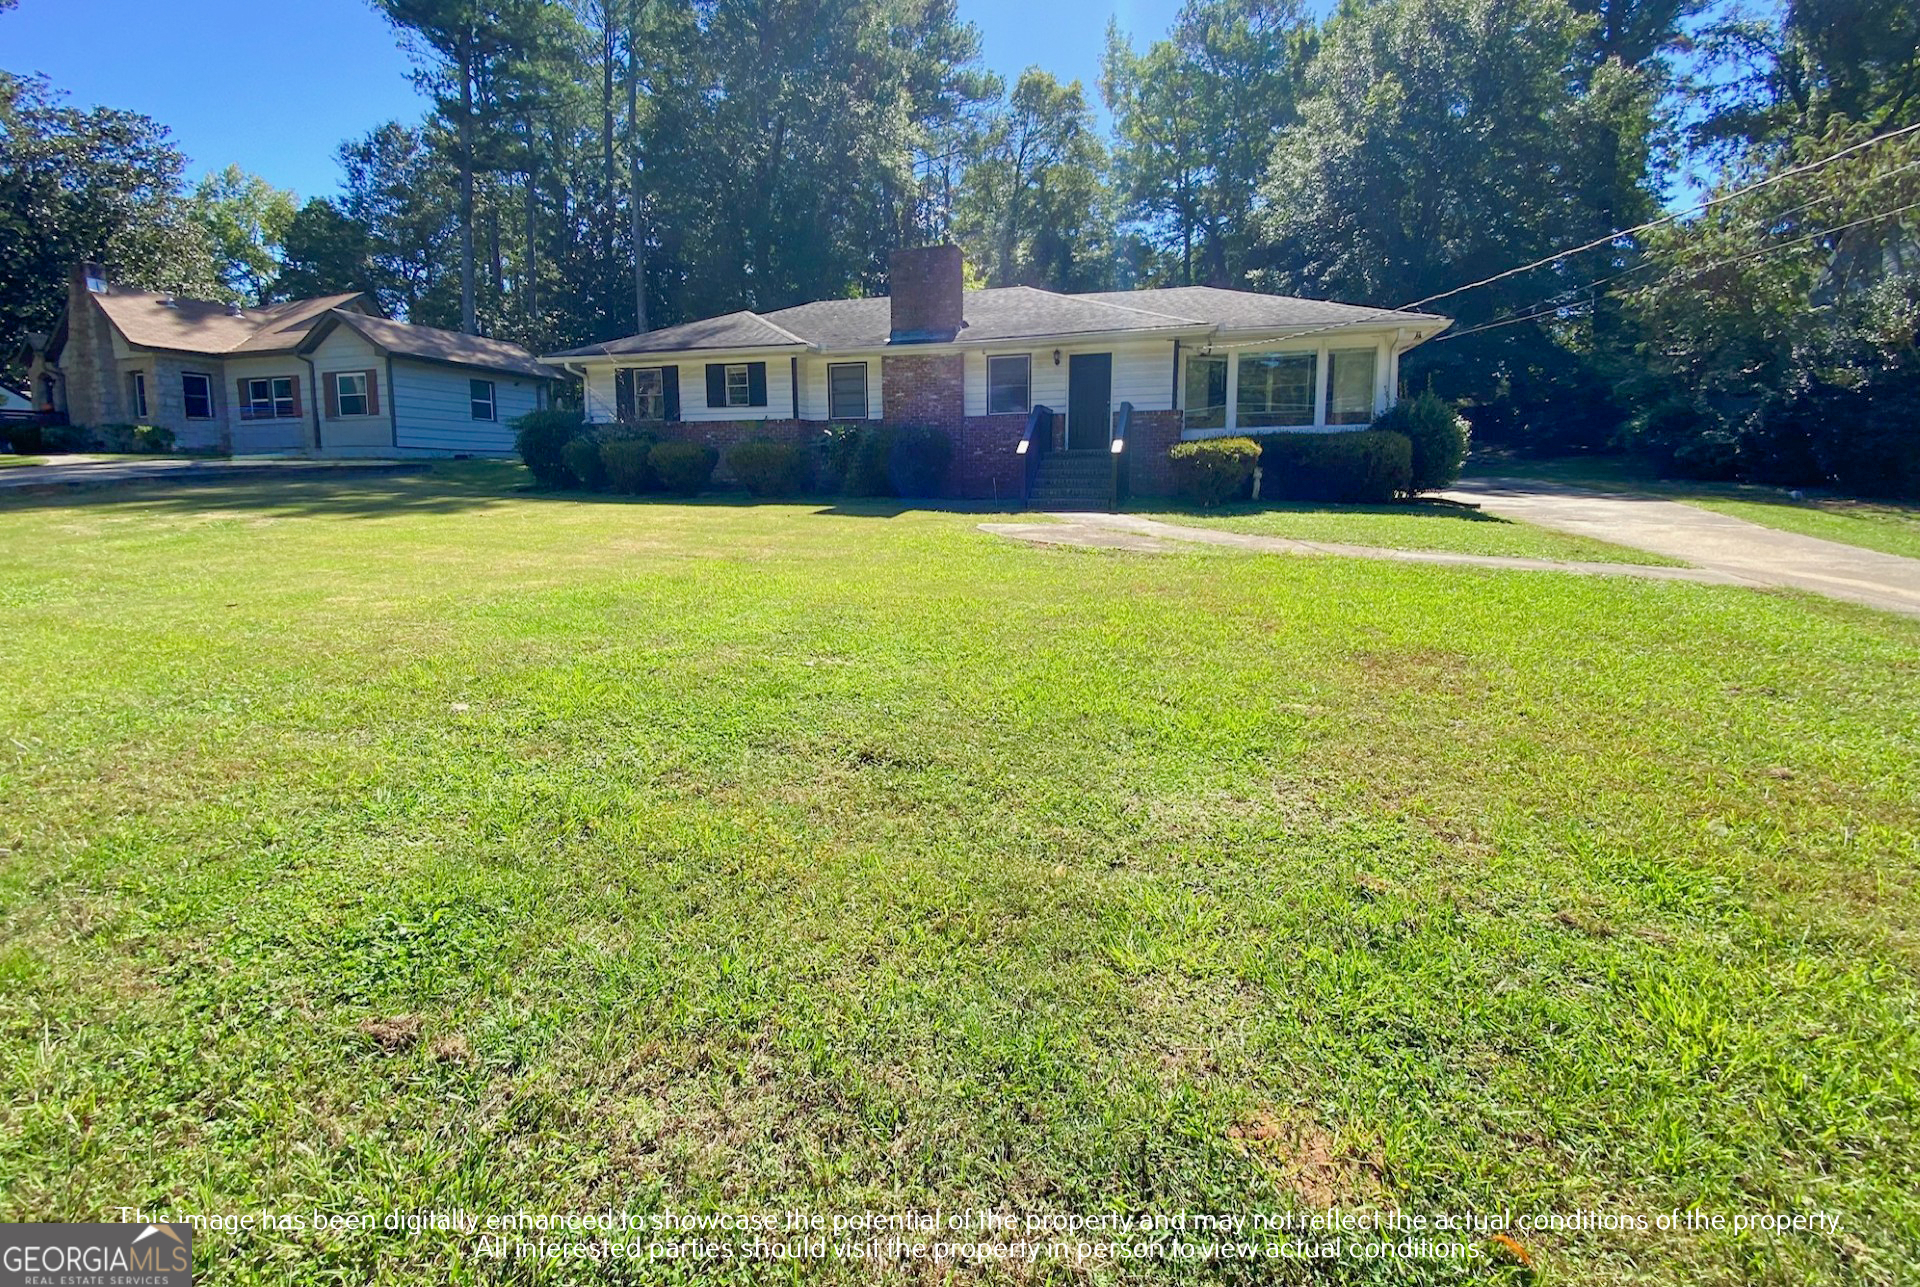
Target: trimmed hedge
541, 438
581, 456
881, 460
770, 468
1366, 467
918, 459
623, 462
1211, 471
1439, 435
684, 468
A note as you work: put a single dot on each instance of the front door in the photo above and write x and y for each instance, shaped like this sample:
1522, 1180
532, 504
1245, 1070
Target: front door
1089, 401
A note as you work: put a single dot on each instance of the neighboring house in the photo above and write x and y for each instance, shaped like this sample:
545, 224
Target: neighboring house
1192, 361
14, 400
318, 376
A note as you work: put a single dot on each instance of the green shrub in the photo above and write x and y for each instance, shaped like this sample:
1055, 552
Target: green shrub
581, 456
541, 438
682, 467
1364, 467
623, 463
63, 438
1213, 470
769, 468
867, 463
917, 460
154, 440
837, 445
25, 439
1439, 436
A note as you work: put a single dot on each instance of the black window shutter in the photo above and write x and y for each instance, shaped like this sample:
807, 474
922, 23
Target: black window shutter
670, 390
623, 395
756, 384
716, 384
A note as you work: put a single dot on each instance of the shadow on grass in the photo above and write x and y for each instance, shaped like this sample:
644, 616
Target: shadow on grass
454, 487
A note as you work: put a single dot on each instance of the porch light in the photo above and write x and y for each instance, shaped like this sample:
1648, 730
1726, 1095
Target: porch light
1056, 357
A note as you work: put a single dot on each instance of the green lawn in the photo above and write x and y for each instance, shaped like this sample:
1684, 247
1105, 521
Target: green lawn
1887, 526
12, 462
1421, 525
417, 842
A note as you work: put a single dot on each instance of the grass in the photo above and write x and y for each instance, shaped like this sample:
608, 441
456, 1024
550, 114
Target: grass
1887, 526
418, 842
1420, 525
11, 462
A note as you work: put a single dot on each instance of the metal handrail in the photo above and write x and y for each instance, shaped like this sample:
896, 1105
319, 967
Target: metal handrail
1036, 442
1118, 488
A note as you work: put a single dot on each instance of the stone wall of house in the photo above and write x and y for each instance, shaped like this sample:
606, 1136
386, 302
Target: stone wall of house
95, 393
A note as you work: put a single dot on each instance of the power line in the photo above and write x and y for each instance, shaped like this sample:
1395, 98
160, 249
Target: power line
1698, 272
1608, 239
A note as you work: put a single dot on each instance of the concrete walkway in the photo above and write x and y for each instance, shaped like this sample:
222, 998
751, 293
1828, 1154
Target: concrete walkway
66, 473
1150, 536
1720, 543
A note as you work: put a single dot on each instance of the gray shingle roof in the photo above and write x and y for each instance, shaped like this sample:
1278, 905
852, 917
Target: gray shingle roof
402, 339
1004, 313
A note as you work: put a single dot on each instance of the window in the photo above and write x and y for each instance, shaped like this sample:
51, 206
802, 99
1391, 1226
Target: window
847, 391
137, 394
270, 399
739, 385
480, 395
350, 393
1009, 385
640, 393
1276, 389
196, 391
1206, 393
1350, 386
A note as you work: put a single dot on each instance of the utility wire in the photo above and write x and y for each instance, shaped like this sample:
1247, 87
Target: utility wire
1608, 239
1698, 272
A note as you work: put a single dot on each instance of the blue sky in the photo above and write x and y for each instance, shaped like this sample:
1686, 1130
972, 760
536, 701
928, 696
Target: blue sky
276, 85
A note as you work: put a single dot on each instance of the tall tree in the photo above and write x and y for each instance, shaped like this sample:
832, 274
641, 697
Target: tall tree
324, 253
1033, 207
245, 220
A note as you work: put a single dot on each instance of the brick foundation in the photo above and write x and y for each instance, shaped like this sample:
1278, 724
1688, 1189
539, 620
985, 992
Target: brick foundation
1149, 470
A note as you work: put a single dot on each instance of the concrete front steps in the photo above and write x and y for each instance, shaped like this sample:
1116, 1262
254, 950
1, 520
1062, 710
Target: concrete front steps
1073, 480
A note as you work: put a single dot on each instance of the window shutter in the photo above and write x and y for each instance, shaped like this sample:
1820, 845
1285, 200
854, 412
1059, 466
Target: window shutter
670, 390
623, 395
296, 397
756, 384
373, 394
716, 384
245, 404
330, 386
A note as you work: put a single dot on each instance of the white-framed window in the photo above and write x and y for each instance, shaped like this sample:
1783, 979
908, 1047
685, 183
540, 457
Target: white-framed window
350, 393
137, 394
847, 391
649, 393
271, 398
739, 385
480, 396
1206, 400
1010, 384
196, 394
1350, 386
1276, 389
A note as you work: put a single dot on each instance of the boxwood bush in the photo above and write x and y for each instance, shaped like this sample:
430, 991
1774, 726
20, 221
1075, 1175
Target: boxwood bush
882, 460
1211, 471
1438, 434
541, 438
1364, 467
581, 456
682, 467
623, 462
770, 468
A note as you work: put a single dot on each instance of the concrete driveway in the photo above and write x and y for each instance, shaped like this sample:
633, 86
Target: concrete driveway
1719, 542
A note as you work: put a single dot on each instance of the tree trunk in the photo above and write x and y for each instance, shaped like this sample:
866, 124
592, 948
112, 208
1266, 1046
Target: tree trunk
608, 36
469, 321
638, 226
530, 291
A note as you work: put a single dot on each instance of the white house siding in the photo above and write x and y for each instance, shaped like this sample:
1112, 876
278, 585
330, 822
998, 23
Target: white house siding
601, 407
345, 350
1386, 367
264, 437
434, 409
1142, 374
813, 386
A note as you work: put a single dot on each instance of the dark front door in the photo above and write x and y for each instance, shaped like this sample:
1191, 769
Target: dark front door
1089, 401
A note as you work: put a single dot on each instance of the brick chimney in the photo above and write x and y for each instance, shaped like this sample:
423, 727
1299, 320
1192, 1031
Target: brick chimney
927, 294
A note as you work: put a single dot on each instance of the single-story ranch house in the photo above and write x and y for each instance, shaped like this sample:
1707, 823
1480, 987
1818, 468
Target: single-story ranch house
1188, 362
321, 376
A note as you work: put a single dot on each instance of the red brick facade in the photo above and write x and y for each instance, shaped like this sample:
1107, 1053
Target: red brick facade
1149, 468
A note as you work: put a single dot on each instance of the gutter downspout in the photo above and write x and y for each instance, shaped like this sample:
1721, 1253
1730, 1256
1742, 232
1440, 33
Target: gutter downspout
313, 392
393, 405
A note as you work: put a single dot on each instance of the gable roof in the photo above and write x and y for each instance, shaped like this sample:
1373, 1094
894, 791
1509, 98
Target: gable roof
1006, 314
154, 321
431, 344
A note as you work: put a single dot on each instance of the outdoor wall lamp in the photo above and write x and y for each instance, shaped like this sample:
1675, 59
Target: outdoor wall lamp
1056, 357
